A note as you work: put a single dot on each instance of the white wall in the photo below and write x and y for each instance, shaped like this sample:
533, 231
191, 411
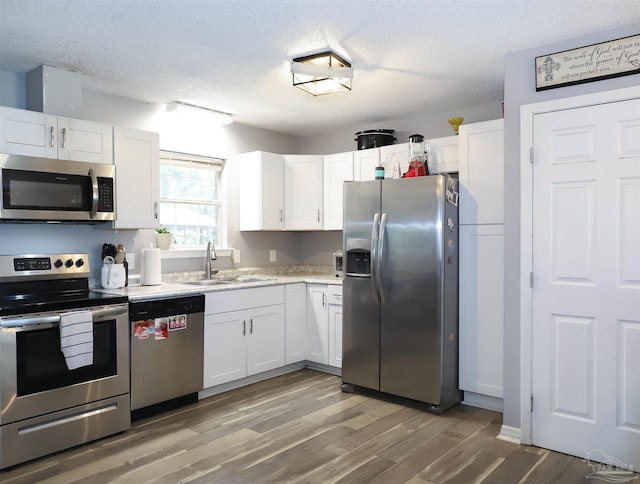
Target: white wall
12, 89
520, 90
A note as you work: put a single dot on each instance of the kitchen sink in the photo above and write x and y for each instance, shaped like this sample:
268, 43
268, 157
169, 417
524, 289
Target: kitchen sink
247, 279
227, 280
208, 282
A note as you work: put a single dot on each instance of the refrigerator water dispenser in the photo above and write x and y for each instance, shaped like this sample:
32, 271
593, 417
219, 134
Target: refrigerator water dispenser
358, 262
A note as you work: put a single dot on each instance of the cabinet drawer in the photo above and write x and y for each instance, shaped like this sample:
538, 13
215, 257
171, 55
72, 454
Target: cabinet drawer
334, 294
237, 299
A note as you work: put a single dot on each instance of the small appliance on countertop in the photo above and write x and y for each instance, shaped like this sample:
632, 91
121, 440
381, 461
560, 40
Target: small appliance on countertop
338, 270
150, 267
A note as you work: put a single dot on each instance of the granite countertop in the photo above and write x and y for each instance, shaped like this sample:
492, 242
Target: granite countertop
176, 283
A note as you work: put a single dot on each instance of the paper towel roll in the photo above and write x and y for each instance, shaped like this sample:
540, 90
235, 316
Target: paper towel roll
150, 273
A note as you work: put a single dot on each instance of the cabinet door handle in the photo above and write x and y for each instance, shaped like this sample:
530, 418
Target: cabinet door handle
155, 210
244, 328
251, 326
281, 215
64, 137
324, 299
318, 215
51, 131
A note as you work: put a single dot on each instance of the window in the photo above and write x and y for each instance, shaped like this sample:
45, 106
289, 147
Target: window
190, 199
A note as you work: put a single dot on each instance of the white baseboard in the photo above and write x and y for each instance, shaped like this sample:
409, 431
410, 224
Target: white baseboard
232, 385
510, 434
483, 401
324, 368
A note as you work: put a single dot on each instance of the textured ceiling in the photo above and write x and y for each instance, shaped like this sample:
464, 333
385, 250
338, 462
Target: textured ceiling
234, 55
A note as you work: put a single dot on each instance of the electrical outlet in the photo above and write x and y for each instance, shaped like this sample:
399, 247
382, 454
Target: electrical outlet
236, 256
272, 256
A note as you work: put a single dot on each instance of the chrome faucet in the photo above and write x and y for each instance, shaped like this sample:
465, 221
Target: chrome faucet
209, 267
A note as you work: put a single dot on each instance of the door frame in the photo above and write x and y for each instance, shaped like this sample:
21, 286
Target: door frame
527, 113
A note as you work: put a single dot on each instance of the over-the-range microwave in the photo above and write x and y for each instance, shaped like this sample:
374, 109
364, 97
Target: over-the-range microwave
43, 189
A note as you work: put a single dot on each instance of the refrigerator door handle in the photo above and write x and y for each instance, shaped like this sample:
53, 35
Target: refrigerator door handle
383, 228
372, 255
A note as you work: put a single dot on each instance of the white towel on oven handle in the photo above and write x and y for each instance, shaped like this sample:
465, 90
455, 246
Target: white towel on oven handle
76, 338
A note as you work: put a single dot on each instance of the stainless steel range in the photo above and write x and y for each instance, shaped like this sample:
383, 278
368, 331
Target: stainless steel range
64, 357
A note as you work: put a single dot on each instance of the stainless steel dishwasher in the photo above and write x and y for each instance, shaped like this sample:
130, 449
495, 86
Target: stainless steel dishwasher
167, 348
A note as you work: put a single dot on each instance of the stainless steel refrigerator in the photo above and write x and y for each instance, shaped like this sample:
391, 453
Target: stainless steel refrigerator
400, 290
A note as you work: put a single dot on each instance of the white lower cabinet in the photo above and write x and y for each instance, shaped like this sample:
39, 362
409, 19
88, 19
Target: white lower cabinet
334, 299
481, 308
324, 324
225, 348
317, 324
295, 296
243, 342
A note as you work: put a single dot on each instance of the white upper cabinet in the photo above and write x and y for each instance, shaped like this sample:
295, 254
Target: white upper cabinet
31, 133
303, 192
338, 168
482, 172
261, 191
137, 160
444, 155
27, 133
82, 140
364, 164
392, 154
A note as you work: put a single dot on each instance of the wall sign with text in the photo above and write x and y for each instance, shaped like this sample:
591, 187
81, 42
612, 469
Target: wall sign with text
595, 62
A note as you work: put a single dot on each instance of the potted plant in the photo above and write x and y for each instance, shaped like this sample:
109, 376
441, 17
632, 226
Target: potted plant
163, 238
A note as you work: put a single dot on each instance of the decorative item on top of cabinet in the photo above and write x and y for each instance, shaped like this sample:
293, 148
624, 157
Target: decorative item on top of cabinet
337, 169
137, 161
261, 191
30, 133
455, 123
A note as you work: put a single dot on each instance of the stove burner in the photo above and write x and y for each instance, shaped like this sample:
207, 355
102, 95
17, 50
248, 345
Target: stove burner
35, 284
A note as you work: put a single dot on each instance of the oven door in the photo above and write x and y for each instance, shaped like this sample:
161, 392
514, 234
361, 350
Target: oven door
34, 378
57, 190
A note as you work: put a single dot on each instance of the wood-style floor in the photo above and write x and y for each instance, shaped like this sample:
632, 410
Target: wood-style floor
301, 428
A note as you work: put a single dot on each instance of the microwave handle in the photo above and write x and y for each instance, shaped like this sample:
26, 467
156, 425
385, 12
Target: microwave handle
94, 193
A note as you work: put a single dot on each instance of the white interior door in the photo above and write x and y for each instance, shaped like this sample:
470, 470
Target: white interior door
586, 291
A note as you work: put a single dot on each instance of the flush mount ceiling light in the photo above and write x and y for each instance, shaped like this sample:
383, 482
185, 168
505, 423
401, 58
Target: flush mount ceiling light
215, 116
322, 73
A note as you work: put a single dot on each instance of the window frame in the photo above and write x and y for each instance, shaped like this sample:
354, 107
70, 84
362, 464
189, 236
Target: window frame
181, 158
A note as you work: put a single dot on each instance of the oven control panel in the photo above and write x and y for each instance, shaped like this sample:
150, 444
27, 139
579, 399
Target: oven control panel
43, 266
